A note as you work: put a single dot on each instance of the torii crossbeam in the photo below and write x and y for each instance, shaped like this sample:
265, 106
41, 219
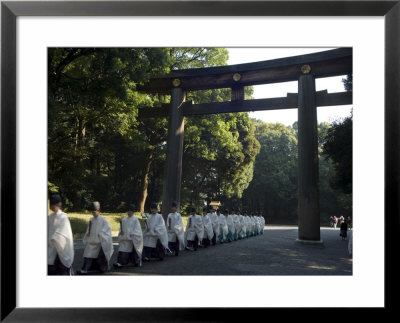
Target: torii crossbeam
304, 69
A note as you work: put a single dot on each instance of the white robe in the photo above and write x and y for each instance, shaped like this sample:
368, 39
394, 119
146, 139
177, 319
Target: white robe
132, 236
261, 221
253, 224
223, 225
258, 225
236, 223
242, 221
100, 238
194, 226
208, 227
229, 222
175, 229
155, 230
60, 239
215, 223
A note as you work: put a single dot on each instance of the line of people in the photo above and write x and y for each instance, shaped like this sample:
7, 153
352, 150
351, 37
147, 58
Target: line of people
159, 238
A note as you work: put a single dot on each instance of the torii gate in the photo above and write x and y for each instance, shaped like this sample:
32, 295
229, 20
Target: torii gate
304, 69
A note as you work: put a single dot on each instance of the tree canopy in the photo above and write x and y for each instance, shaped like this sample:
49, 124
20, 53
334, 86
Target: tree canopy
98, 148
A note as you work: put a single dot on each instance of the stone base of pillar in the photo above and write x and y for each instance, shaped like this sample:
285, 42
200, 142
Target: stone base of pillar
314, 243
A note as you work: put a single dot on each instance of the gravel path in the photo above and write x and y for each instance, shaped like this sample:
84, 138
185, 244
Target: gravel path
273, 253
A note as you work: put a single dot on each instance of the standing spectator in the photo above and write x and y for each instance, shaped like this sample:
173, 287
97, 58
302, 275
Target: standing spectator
341, 219
335, 221
331, 221
349, 223
350, 245
343, 230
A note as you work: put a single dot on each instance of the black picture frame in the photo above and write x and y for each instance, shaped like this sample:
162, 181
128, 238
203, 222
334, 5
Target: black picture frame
10, 10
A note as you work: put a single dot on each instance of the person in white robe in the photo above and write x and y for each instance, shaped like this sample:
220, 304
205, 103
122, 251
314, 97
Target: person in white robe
155, 236
248, 224
236, 224
350, 244
242, 226
194, 230
60, 252
253, 225
231, 226
98, 243
208, 229
215, 224
256, 225
260, 227
130, 240
176, 234
262, 223
223, 227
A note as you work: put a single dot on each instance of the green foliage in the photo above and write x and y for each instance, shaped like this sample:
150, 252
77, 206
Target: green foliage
93, 127
338, 147
100, 150
273, 189
218, 158
348, 83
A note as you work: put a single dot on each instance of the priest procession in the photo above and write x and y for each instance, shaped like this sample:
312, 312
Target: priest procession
159, 238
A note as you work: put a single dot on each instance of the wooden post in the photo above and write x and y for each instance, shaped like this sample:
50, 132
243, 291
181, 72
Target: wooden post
237, 93
172, 181
308, 176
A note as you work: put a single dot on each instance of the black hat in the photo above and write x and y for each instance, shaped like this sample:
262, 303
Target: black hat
226, 211
55, 199
211, 207
218, 210
192, 209
153, 206
204, 209
174, 204
132, 207
95, 206
238, 211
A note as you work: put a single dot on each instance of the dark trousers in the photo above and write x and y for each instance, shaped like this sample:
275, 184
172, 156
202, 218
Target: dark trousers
205, 242
214, 239
174, 246
157, 252
125, 258
100, 263
193, 243
58, 268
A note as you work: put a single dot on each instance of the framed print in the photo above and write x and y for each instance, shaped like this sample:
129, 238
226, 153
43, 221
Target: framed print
233, 15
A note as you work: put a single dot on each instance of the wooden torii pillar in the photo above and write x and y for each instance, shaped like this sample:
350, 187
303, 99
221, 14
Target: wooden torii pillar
303, 68
308, 169
173, 170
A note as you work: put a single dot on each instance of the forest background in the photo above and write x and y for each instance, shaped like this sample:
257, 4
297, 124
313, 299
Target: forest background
98, 148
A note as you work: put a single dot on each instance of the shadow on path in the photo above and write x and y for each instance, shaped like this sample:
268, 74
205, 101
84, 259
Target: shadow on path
273, 253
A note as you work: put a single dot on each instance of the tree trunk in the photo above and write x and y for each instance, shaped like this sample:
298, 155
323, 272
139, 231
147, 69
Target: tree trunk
79, 142
145, 180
